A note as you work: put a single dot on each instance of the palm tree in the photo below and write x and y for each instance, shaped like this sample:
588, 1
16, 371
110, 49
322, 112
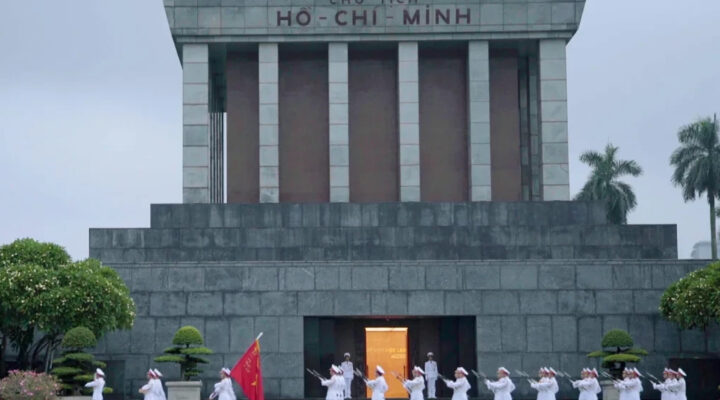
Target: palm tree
697, 166
604, 185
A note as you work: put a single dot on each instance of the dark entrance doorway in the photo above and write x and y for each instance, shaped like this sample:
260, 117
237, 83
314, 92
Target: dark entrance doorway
452, 339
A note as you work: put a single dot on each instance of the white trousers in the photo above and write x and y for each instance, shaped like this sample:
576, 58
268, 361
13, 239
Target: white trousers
348, 385
431, 387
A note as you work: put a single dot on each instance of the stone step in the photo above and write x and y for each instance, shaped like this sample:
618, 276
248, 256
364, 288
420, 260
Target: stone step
376, 214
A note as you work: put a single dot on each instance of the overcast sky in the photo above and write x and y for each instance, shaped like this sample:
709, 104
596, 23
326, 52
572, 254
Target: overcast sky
90, 109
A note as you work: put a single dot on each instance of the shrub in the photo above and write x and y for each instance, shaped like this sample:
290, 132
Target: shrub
75, 367
694, 301
617, 352
28, 385
184, 353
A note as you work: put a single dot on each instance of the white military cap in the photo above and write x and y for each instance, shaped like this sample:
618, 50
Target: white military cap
99, 372
151, 373
462, 371
681, 372
336, 369
594, 372
226, 371
157, 373
418, 369
552, 371
346, 355
504, 370
635, 370
543, 369
380, 370
430, 354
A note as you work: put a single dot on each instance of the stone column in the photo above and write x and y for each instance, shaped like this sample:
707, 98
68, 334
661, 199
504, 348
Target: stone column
269, 123
553, 118
409, 120
479, 120
196, 123
339, 128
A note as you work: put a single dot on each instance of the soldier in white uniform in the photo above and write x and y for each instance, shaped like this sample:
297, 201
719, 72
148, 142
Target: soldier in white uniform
588, 385
148, 390
416, 385
503, 386
460, 386
665, 387
224, 389
431, 374
378, 385
97, 384
159, 391
679, 388
630, 387
335, 385
544, 385
348, 374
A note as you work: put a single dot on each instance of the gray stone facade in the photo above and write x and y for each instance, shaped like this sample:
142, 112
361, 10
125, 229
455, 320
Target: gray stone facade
528, 313
386, 231
236, 270
366, 19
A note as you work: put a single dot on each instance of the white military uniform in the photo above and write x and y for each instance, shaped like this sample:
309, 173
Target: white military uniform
335, 385
97, 385
378, 387
347, 368
589, 388
459, 387
501, 388
224, 390
629, 388
431, 375
158, 387
666, 389
678, 389
149, 390
415, 386
546, 388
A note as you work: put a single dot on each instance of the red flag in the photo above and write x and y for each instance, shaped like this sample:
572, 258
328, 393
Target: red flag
248, 373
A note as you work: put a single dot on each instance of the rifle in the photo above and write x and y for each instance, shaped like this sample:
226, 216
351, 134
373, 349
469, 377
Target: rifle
478, 374
402, 380
360, 375
315, 374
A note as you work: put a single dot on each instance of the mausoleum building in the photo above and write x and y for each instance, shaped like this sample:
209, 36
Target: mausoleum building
384, 178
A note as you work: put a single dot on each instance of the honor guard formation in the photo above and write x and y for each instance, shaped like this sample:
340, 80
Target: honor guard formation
672, 387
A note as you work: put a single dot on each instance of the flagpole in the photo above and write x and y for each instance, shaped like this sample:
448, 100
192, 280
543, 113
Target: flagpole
259, 336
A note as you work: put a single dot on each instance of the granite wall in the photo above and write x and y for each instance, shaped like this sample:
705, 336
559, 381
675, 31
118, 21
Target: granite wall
382, 231
528, 313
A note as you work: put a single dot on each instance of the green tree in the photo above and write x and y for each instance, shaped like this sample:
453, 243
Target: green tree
603, 183
76, 367
186, 352
12, 327
693, 302
53, 299
617, 351
697, 166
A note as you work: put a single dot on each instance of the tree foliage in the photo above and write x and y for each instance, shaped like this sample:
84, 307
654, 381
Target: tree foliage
694, 300
603, 184
187, 348
13, 328
697, 166
38, 295
618, 351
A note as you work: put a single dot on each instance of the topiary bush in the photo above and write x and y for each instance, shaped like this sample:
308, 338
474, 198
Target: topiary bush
28, 385
187, 348
618, 351
75, 367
